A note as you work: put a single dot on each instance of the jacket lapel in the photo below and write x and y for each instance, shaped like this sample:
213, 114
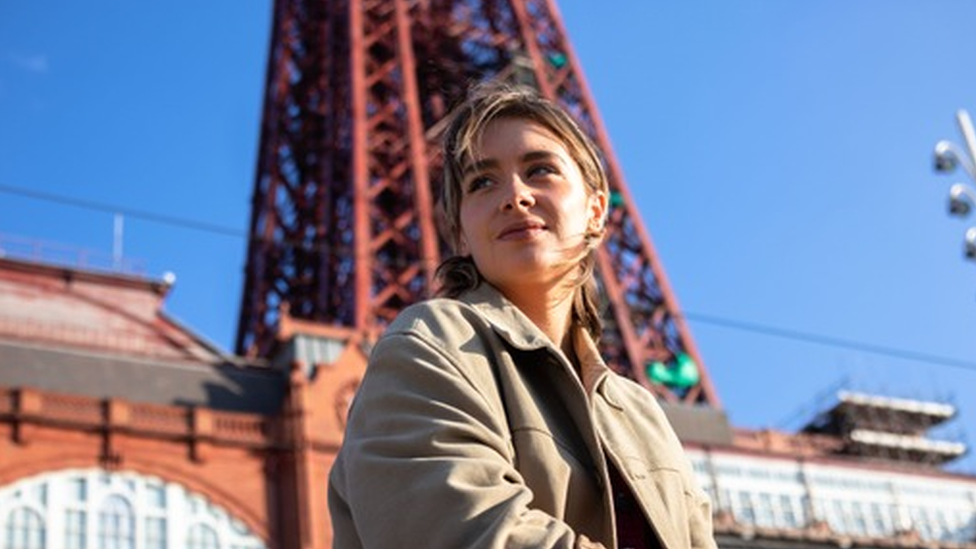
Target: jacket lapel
657, 493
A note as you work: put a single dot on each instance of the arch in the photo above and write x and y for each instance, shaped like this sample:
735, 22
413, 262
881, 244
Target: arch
65, 461
213, 492
129, 506
24, 528
116, 521
33, 466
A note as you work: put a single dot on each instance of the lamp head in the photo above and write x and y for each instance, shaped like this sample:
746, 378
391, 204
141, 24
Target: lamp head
960, 202
945, 159
971, 243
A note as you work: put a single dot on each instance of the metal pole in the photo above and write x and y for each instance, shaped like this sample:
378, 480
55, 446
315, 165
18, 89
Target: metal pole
117, 243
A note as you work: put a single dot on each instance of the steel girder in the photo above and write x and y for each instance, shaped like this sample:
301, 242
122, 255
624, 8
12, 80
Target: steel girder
344, 226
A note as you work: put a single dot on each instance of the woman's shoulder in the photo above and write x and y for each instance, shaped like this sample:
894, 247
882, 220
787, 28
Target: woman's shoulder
441, 319
631, 394
432, 339
482, 314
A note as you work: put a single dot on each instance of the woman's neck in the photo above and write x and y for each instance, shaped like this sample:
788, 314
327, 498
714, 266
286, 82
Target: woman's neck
551, 311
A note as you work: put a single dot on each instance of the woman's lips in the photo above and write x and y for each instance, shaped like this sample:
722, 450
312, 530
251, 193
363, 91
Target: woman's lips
521, 231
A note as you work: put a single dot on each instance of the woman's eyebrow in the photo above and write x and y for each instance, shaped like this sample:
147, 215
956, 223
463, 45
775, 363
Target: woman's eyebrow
489, 163
537, 155
478, 166
533, 156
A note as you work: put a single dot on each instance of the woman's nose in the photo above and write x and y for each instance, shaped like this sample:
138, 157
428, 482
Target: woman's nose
520, 195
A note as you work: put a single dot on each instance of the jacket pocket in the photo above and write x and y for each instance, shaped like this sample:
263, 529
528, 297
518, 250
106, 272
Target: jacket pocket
666, 501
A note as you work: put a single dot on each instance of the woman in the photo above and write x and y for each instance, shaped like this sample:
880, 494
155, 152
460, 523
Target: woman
487, 417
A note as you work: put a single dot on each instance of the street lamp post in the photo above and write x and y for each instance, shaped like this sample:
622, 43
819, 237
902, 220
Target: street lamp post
962, 197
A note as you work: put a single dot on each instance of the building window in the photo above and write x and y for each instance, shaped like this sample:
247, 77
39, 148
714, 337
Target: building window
837, 517
156, 496
920, 522
78, 488
39, 493
858, 522
155, 533
790, 519
75, 529
116, 524
98, 509
747, 513
853, 502
201, 536
24, 530
764, 514
878, 526
967, 528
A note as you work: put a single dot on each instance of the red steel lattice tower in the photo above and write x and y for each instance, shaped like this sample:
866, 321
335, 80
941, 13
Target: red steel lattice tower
343, 228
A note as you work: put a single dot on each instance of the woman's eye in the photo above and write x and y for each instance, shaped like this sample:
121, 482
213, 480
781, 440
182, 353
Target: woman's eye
478, 183
542, 170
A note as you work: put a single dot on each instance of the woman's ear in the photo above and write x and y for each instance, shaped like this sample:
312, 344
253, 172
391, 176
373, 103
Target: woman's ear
598, 211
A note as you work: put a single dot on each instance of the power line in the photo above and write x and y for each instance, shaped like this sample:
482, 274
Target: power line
830, 341
139, 214
733, 324
184, 223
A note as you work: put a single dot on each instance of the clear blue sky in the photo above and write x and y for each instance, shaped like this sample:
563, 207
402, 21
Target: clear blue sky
779, 152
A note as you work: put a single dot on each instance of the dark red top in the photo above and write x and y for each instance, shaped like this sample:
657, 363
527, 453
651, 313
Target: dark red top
633, 530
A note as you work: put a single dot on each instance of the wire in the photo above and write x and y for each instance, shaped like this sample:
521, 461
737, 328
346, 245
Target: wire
830, 341
139, 214
183, 222
733, 324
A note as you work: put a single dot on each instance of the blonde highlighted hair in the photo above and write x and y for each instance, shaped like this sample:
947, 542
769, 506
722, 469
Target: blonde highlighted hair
489, 102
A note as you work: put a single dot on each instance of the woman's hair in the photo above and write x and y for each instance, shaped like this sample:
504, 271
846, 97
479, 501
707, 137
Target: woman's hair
489, 102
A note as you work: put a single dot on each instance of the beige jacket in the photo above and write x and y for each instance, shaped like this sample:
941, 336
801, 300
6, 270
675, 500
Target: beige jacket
471, 430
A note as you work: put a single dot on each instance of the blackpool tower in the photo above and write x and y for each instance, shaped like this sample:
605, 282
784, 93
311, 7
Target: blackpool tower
343, 230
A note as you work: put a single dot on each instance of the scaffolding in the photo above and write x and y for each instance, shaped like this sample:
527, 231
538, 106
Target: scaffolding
888, 429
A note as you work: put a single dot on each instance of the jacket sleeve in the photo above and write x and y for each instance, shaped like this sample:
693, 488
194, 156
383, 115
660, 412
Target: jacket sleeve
700, 523
427, 461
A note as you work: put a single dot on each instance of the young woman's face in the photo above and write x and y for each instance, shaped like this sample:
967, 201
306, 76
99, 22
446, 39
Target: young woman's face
524, 206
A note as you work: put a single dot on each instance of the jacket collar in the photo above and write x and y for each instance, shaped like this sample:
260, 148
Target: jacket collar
507, 320
511, 324
592, 368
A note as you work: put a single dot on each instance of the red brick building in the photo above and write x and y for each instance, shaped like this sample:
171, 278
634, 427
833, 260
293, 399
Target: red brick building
120, 427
